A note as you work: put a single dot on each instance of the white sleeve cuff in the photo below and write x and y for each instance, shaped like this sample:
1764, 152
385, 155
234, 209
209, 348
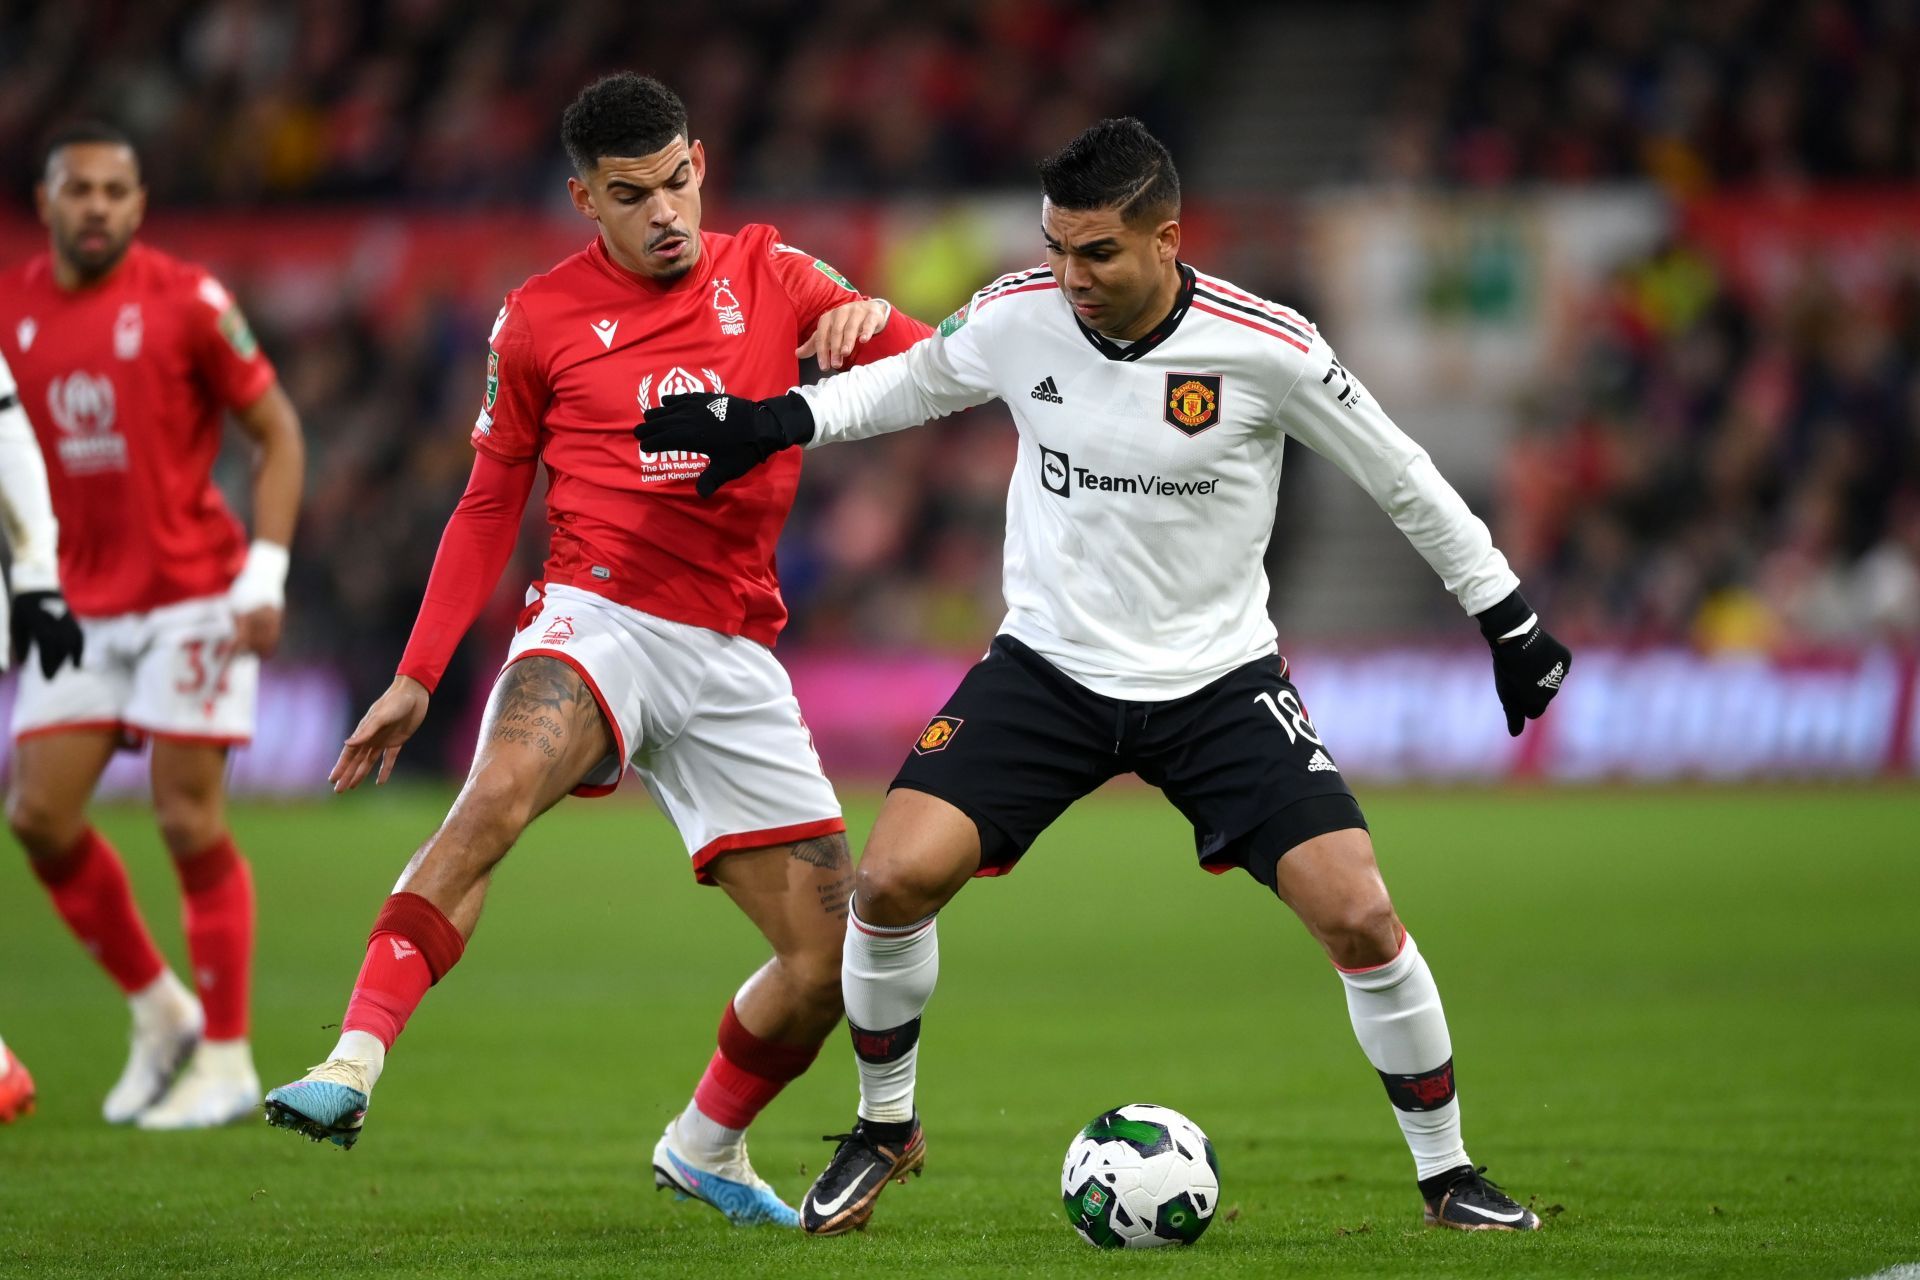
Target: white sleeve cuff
262, 583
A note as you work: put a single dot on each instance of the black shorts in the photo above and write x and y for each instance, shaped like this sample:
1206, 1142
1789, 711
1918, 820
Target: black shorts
1019, 741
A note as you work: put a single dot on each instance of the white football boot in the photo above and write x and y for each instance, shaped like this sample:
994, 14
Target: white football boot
218, 1086
166, 1026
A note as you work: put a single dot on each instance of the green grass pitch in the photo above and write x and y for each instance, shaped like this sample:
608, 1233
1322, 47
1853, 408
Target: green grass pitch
1686, 1024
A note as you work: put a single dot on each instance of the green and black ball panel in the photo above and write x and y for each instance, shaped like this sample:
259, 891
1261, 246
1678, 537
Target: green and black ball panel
1148, 1137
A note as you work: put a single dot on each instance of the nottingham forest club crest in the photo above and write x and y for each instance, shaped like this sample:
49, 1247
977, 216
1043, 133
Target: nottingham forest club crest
733, 321
1193, 401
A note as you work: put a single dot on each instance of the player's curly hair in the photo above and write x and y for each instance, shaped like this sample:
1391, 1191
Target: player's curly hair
1114, 164
624, 114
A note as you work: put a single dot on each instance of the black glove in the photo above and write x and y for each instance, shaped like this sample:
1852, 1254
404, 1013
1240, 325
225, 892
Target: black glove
42, 620
1528, 669
736, 433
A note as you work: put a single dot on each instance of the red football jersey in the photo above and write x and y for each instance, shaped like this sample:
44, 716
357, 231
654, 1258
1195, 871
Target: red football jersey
127, 383
578, 354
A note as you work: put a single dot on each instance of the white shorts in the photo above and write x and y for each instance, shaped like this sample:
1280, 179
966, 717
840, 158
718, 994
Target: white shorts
168, 673
709, 722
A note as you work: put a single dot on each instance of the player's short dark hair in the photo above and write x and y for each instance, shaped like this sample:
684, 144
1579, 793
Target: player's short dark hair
1114, 164
624, 114
81, 133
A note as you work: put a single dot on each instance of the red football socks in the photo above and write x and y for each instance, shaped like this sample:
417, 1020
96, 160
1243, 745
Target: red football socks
218, 889
90, 891
411, 948
746, 1073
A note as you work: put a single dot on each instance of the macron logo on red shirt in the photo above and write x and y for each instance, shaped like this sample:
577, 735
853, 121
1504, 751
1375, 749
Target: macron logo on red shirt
603, 330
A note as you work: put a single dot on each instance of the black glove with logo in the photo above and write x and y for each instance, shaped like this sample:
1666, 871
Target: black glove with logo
736, 433
1528, 664
42, 620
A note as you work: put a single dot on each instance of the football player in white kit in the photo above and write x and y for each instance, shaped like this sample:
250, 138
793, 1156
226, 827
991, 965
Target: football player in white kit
1153, 402
39, 624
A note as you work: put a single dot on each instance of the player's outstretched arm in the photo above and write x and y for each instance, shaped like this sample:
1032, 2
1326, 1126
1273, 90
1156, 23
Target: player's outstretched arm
1330, 411
389, 722
258, 595
736, 433
843, 330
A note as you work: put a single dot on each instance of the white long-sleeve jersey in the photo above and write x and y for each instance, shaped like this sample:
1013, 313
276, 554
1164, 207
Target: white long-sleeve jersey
1148, 475
26, 509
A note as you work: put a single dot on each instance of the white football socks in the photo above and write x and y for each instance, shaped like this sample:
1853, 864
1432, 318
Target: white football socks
163, 1004
364, 1048
887, 974
706, 1142
1403, 1031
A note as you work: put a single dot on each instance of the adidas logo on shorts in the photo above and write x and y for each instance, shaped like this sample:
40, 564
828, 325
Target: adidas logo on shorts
1048, 392
1321, 764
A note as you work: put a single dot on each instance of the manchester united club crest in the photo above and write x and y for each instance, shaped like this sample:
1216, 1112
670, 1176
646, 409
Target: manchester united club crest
939, 732
1193, 401
732, 320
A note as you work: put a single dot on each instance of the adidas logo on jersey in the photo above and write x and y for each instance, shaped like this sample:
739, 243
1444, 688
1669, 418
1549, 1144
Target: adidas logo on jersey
1048, 392
1319, 763
1552, 679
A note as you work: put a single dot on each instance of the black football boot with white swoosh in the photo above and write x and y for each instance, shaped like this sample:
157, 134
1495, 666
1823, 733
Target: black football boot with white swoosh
1464, 1200
874, 1154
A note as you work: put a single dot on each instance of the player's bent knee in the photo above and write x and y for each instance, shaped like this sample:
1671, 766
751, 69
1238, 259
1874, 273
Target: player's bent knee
41, 830
187, 826
814, 976
492, 810
1361, 932
895, 891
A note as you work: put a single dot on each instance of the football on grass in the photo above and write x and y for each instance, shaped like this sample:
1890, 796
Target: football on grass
1138, 1177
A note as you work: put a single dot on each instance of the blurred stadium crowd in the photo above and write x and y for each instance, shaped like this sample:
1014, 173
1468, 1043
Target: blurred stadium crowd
1710, 463
301, 100
1692, 95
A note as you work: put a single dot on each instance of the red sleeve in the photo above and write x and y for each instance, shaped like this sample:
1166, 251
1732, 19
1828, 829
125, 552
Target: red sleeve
900, 332
516, 397
473, 553
816, 288
225, 353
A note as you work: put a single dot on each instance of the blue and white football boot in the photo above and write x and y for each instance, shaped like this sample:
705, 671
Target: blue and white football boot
329, 1102
732, 1187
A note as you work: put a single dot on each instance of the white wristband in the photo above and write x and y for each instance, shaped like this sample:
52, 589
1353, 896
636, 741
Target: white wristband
262, 583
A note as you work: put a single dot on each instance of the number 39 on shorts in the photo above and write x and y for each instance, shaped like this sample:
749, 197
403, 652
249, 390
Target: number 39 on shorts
1292, 716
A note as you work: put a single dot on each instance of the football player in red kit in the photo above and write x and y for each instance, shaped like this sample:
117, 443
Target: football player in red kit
646, 643
129, 362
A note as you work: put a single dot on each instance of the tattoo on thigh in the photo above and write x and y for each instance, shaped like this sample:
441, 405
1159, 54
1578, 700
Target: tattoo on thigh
536, 698
826, 852
834, 896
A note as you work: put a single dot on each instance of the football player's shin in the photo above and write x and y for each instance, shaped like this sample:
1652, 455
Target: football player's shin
1403, 1031
887, 975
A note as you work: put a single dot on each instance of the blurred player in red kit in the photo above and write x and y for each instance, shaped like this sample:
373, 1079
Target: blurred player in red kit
647, 642
128, 363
